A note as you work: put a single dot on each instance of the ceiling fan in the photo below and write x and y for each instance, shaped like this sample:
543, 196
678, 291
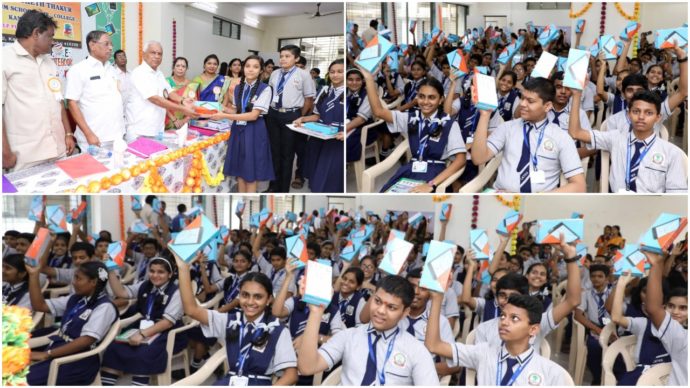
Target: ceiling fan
318, 13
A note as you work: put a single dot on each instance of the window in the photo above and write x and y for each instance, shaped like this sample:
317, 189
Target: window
319, 51
16, 208
554, 5
406, 11
226, 28
362, 13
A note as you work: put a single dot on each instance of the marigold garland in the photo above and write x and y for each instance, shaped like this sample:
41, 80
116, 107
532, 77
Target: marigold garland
621, 11
16, 328
141, 31
121, 208
575, 15
439, 198
122, 27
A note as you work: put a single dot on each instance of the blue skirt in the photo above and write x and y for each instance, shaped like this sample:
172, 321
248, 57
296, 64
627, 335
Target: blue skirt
405, 171
225, 381
195, 334
324, 165
249, 152
81, 372
143, 359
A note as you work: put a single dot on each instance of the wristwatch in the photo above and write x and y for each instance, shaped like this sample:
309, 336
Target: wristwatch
67, 134
573, 259
433, 186
683, 60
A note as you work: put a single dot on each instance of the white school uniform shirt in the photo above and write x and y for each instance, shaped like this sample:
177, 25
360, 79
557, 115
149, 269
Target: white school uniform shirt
674, 337
143, 117
662, 170
104, 314
587, 98
488, 331
173, 310
564, 118
284, 356
260, 102
556, 154
266, 268
621, 122
336, 324
299, 86
410, 362
588, 304
485, 359
364, 110
25, 300
449, 306
94, 86
420, 325
455, 143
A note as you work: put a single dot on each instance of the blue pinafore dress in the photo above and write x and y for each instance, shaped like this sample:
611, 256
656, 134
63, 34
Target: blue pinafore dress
651, 353
354, 142
324, 158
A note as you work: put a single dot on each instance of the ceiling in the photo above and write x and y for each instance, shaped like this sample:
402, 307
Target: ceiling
289, 8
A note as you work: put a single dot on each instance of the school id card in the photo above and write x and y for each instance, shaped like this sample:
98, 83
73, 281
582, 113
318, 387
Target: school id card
404, 185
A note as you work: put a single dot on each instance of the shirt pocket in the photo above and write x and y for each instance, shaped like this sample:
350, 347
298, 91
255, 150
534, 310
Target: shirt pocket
399, 370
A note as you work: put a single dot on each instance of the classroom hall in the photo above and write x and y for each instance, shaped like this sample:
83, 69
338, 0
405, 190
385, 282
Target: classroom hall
145, 96
489, 290
450, 97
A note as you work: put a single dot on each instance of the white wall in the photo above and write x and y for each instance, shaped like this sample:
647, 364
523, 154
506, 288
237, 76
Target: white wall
516, 13
299, 26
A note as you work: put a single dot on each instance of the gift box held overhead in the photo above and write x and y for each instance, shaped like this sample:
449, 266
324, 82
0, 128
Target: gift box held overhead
193, 238
415, 219
458, 62
395, 252
608, 45
576, 69
318, 284
374, 53
136, 202
544, 65
665, 38
580, 25
78, 214
548, 35
630, 30
56, 218
548, 231
484, 94
509, 222
296, 247
38, 247
479, 242
351, 249
438, 266
446, 209
239, 208
116, 255
630, 258
36, 208
663, 232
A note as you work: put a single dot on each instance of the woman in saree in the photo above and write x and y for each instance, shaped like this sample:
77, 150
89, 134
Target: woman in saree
213, 86
184, 88
235, 74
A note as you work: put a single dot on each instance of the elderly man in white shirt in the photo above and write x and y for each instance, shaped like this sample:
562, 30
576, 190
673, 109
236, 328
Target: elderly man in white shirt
150, 96
93, 96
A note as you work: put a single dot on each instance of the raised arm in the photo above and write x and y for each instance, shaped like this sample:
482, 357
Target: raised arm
617, 315
191, 308
574, 129
374, 102
655, 295
603, 94
38, 303
278, 309
466, 296
573, 292
622, 61
480, 151
503, 243
309, 361
448, 102
115, 283
432, 340
677, 98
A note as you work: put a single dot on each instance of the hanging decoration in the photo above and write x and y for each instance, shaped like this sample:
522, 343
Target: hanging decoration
602, 23
215, 210
122, 27
575, 15
141, 31
174, 38
395, 25
121, 208
621, 11
439, 198
515, 205
475, 211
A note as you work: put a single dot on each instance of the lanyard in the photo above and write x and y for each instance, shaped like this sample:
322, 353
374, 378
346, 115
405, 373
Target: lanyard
283, 80
372, 355
244, 354
149, 305
499, 371
628, 158
424, 138
76, 310
413, 90
246, 100
525, 139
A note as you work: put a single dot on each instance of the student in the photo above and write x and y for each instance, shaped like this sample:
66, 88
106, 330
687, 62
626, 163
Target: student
23, 243
593, 316
275, 269
178, 223
537, 277
394, 356
293, 96
508, 96
249, 156
641, 327
349, 299
368, 266
358, 114
562, 106
663, 171
535, 151
257, 344
442, 72
432, 135
511, 359
324, 158
486, 307
613, 98
634, 83
158, 301
78, 331
514, 283
10, 241
670, 320
149, 250
59, 255
15, 281
81, 252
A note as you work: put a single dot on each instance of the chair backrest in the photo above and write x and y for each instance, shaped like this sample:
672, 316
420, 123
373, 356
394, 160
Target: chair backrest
625, 346
600, 114
567, 378
467, 324
445, 380
605, 336
578, 353
333, 378
200, 376
470, 374
456, 328
656, 375
477, 184
663, 132
558, 292
605, 158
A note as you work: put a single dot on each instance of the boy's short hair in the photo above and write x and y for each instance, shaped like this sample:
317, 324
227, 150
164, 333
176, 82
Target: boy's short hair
559, 75
12, 233
513, 281
295, 50
397, 286
181, 208
414, 274
534, 307
542, 87
314, 247
27, 236
676, 292
649, 97
82, 246
102, 239
599, 268
148, 241
316, 70
279, 251
635, 80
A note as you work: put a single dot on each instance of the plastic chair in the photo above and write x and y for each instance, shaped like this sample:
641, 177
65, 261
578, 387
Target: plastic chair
576, 364
456, 328
486, 172
656, 375
359, 165
130, 273
557, 298
545, 349
470, 374
445, 381
600, 115
213, 302
57, 362
183, 355
468, 324
568, 379
206, 371
607, 332
625, 346
333, 379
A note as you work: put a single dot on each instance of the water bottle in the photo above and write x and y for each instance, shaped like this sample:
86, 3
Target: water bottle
159, 135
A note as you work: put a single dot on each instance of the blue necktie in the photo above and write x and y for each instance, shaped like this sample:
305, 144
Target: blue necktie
523, 164
601, 310
410, 328
509, 373
279, 90
555, 117
635, 165
370, 373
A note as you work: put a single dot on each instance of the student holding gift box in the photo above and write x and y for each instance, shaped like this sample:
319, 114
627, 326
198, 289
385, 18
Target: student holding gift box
358, 115
433, 136
535, 151
632, 170
15, 281
257, 344
87, 315
249, 156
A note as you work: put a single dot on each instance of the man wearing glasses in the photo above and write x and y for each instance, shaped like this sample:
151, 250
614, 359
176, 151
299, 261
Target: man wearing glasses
93, 95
